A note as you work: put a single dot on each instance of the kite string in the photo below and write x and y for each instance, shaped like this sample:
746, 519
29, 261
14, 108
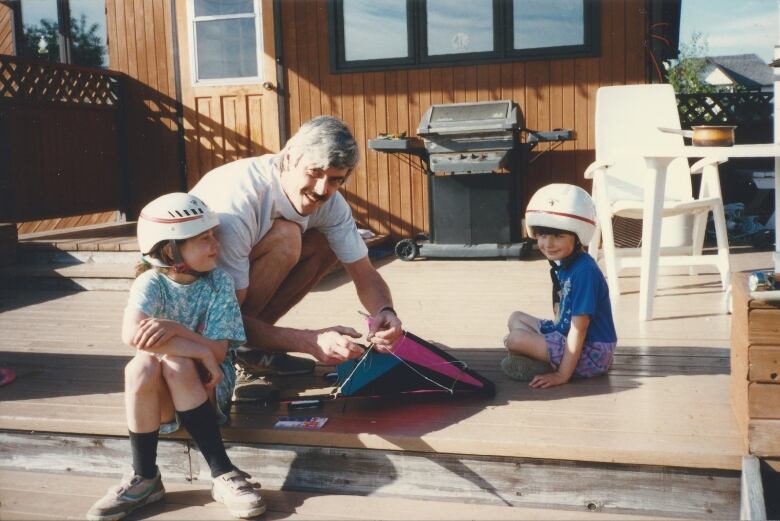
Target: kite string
337, 390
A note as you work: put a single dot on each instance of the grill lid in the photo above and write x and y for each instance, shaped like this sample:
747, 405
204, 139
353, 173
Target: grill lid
469, 118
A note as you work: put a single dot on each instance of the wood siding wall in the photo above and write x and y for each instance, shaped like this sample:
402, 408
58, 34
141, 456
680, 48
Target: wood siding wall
389, 193
140, 45
7, 45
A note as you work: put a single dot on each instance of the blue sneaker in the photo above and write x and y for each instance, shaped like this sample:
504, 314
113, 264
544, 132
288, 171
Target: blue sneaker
132, 492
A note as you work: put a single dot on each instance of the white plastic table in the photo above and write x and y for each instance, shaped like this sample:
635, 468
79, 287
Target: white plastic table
653, 205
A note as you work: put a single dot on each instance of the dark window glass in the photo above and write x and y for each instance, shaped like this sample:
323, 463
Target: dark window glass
458, 27
375, 29
87, 35
548, 23
226, 48
40, 27
384, 34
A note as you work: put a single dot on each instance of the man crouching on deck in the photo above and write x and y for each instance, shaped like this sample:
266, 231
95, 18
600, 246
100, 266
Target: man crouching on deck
283, 225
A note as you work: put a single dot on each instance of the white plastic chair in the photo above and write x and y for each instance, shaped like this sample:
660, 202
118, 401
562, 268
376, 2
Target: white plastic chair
627, 122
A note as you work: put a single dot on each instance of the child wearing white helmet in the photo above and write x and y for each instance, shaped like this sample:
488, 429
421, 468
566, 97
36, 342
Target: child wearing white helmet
581, 339
184, 322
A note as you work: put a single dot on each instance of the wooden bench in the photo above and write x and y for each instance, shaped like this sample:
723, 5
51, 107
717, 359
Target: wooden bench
755, 370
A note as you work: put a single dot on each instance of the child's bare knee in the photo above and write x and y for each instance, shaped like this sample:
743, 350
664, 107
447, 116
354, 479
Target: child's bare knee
517, 341
142, 372
518, 319
176, 369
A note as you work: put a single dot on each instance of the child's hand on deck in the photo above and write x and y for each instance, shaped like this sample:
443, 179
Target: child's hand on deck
152, 332
546, 380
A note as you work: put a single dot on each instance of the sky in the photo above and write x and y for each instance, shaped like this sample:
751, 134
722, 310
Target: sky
732, 26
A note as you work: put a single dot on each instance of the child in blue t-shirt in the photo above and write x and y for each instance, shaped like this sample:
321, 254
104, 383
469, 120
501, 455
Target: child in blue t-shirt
582, 339
183, 322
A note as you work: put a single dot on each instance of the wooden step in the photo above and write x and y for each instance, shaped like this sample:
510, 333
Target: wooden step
425, 476
100, 257
85, 276
35, 495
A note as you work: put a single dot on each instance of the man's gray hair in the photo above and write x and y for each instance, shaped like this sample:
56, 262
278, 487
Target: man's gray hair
326, 142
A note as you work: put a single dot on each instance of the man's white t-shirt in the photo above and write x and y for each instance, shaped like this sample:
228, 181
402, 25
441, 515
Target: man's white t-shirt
247, 195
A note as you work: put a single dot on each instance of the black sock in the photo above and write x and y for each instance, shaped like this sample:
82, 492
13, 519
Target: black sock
201, 423
144, 448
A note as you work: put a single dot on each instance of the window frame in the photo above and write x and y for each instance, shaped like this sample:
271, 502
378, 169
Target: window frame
417, 35
192, 22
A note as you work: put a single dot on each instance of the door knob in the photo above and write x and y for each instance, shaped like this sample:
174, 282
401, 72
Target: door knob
267, 85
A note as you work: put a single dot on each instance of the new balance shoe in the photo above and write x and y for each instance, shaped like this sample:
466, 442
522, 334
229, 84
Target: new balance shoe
253, 388
522, 368
133, 491
239, 496
263, 363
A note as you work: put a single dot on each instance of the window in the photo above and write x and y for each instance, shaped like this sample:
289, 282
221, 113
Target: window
226, 41
82, 21
547, 23
383, 34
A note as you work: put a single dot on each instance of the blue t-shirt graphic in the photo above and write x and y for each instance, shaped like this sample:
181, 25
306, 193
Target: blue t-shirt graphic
584, 291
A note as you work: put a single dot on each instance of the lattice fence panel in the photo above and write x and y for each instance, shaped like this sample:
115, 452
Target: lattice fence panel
738, 108
22, 80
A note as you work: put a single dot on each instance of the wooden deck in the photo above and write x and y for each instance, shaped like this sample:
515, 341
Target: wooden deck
665, 403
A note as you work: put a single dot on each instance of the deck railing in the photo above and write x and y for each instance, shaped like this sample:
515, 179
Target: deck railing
61, 140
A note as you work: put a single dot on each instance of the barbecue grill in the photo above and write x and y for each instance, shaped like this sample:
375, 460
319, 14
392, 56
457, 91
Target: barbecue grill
474, 160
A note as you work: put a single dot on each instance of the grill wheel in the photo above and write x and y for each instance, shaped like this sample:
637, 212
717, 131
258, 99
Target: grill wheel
407, 250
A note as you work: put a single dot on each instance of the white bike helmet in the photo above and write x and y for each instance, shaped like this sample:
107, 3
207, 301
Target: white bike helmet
564, 207
172, 217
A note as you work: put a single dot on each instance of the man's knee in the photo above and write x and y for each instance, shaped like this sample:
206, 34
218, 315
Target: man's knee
283, 241
315, 244
143, 372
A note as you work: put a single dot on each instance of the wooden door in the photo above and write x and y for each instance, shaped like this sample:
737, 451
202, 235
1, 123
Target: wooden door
225, 120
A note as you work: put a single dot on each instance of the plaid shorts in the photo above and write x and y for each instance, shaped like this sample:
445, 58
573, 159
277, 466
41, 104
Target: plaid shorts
596, 357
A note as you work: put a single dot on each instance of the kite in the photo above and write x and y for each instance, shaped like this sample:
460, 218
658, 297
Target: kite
414, 366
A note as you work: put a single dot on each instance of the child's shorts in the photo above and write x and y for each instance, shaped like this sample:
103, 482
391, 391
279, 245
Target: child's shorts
596, 357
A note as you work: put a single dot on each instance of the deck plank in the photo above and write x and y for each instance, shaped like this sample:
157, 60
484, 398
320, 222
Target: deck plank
73, 495
666, 402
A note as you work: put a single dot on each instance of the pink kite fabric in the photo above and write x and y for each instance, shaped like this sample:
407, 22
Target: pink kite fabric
411, 351
6, 376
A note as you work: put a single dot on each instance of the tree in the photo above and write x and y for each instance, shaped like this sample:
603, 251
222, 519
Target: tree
686, 73
42, 41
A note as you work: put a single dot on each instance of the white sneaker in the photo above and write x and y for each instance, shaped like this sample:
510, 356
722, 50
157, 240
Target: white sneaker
134, 491
234, 491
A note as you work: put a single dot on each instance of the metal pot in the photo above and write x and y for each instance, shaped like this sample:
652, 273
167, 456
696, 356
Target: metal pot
707, 135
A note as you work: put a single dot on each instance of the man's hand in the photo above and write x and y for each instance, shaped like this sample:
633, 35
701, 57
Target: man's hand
546, 380
332, 345
152, 332
384, 331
